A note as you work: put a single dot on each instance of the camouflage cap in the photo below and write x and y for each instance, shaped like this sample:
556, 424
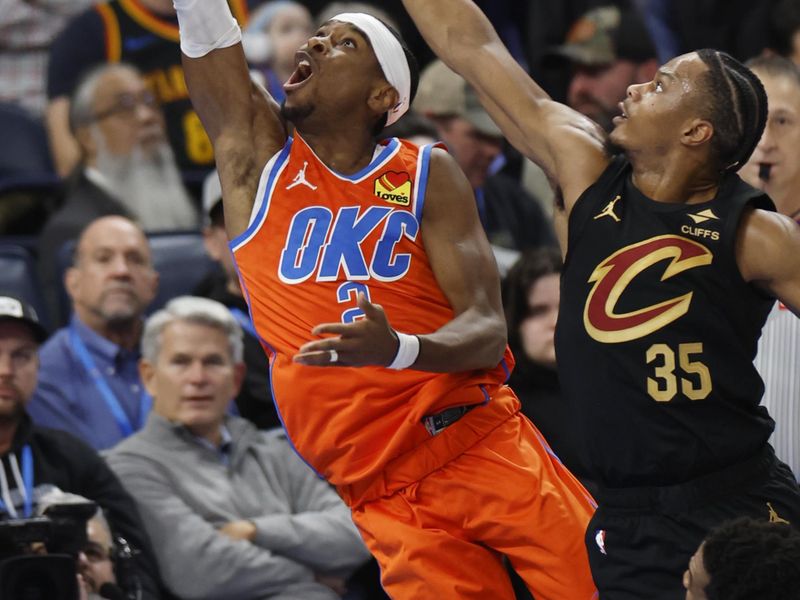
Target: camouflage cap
604, 35
444, 93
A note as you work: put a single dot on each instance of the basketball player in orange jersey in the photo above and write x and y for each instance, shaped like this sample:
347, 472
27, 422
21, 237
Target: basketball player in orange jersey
375, 294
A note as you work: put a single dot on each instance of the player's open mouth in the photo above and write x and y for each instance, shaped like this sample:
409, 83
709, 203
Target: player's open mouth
623, 116
302, 73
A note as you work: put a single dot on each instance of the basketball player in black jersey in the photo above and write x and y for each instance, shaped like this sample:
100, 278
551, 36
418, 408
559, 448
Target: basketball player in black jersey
672, 264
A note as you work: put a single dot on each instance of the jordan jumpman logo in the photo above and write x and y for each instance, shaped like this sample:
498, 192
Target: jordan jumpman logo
608, 211
300, 178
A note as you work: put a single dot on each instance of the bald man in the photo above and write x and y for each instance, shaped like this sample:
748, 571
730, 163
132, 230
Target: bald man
88, 382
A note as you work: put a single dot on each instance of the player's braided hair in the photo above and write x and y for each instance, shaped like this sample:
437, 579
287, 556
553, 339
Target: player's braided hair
748, 559
736, 105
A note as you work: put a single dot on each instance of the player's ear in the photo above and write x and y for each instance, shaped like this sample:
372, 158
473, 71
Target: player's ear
697, 132
383, 99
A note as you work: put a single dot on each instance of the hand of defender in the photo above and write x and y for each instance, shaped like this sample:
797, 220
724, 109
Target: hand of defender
367, 341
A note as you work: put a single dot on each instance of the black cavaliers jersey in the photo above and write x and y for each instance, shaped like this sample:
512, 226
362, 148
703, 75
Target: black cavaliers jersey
657, 333
135, 35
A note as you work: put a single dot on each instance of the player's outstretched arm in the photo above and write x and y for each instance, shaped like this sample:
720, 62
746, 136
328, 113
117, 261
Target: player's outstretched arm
566, 144
241, 119
768, 255
465, 269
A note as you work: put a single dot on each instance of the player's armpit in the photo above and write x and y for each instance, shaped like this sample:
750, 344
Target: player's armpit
768, 255
465, 269
242, 122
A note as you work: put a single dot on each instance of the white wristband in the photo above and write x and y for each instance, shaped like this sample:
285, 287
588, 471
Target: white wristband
407, 351
206, 25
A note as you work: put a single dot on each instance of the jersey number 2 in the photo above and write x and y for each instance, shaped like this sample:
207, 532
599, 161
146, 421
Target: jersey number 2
348, 293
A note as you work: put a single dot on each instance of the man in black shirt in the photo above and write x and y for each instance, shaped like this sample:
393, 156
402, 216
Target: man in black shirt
34, 460
672, 265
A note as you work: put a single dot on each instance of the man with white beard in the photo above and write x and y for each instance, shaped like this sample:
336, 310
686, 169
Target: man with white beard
127, 166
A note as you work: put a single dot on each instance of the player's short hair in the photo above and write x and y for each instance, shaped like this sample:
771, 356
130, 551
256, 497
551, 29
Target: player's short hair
413, 69
775, 66
531, 266
735, 103
748, 559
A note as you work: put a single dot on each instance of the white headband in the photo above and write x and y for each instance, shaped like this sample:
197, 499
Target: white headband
390, 57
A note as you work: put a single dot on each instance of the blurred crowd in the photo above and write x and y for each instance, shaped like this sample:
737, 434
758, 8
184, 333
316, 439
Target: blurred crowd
116, 280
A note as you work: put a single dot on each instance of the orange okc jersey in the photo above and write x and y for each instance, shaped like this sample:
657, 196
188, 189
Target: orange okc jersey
317, 239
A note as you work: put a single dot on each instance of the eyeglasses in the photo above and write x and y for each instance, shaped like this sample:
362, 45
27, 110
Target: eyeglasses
126, 105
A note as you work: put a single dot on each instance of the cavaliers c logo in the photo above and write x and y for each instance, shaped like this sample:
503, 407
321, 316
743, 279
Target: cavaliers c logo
614, 274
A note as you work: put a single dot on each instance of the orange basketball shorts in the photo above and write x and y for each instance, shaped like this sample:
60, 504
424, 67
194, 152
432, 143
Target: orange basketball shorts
444, 535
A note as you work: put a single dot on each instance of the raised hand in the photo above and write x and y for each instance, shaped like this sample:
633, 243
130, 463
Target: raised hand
367, 341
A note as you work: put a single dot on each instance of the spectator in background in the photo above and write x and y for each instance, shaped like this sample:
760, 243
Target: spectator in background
96, 561
512, 219
233, 512
746, 559
36, 462
531, 296
26, 31
275, 32
143, 33
609, 49
254, 399
127, 166
89, 382
784, 29
738, 27
775, 168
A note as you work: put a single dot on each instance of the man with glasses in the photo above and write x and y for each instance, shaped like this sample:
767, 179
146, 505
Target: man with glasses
142, 33
127, 166
89, 382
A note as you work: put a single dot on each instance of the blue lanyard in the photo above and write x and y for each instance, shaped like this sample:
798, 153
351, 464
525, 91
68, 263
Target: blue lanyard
145, 402
27, 481
244, 320
480, 200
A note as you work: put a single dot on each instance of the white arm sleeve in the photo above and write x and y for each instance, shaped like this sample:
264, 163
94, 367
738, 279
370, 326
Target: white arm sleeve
206, 25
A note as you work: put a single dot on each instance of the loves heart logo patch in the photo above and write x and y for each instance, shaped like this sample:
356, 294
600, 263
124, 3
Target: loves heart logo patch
394, 187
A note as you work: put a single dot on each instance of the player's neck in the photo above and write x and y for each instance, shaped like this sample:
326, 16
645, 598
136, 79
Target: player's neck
673, 181
344, 152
